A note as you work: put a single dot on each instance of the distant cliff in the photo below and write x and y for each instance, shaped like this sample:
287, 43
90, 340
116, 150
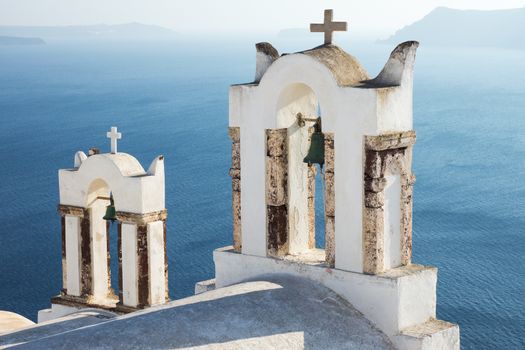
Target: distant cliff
449, 27
100, 31
13, 40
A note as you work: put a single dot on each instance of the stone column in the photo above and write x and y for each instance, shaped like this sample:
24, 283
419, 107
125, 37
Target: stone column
387, 157
119, 252
312, 172
329, 198
76, 251
277, 191
235, 173
143, 260
64, 255
143, 277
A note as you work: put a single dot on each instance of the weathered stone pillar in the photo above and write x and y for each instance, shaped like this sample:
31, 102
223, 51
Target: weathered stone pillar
166, 280
143, 261
235, 173
388, 158
76, 251
108, 259
64, 255
277, 191
312, 172
119, 250
143, 278
329, 198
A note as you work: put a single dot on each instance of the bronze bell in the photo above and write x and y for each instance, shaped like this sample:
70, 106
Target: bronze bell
111, 213
316, 151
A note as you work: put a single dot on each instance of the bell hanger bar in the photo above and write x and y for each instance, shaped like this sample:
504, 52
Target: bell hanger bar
302, 119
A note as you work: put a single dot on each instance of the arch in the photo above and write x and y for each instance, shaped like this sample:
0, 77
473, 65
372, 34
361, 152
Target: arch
347, 109
112, 171
291, 183
298, 70
97, 188
97, 200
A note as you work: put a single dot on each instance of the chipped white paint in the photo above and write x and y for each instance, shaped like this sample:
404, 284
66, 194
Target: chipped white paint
129, 264
156, 262
392, 225
73, 255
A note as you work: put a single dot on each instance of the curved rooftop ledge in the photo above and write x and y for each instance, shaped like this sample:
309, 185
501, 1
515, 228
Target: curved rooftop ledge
397, 70
134, 189
348, 71
394, 300
127, 164
345, 68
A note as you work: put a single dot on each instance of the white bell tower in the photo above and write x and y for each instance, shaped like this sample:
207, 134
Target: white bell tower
140, 213
368, 185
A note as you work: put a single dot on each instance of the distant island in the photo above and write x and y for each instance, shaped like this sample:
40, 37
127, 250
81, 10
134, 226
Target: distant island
450, 27
99, 31
13, 40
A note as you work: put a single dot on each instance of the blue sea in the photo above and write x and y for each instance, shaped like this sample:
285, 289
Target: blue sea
171, 98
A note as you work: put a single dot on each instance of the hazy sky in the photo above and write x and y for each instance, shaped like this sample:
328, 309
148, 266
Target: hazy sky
374, 17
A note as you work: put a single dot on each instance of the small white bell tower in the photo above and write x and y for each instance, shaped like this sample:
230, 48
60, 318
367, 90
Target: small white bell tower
140, 213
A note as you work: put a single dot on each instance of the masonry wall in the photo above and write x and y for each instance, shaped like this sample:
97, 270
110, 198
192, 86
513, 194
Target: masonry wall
329, 198
387, 156
235, 173
277, 191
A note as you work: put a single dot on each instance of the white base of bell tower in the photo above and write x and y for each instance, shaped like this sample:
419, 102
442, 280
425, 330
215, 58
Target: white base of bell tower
401, 302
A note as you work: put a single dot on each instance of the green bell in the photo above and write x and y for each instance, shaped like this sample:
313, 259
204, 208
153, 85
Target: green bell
316, 152
111, 213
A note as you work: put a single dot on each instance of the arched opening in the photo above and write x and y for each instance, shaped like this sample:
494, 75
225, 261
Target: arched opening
104, 246
319, 194
295, 204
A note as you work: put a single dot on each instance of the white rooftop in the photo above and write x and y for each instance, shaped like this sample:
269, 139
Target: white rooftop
281, 312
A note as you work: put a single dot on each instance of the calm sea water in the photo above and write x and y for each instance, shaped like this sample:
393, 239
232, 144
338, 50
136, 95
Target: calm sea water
171, 99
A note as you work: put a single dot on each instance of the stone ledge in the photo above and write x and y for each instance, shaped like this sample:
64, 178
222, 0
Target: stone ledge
390, 140
83, 302
65, 209
142, 219
204, 286
433, 334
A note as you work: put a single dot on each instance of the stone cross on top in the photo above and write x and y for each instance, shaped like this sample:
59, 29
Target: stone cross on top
328, 27
113, 135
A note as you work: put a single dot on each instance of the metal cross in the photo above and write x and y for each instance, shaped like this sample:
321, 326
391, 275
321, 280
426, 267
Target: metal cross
114, 136
328, 27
